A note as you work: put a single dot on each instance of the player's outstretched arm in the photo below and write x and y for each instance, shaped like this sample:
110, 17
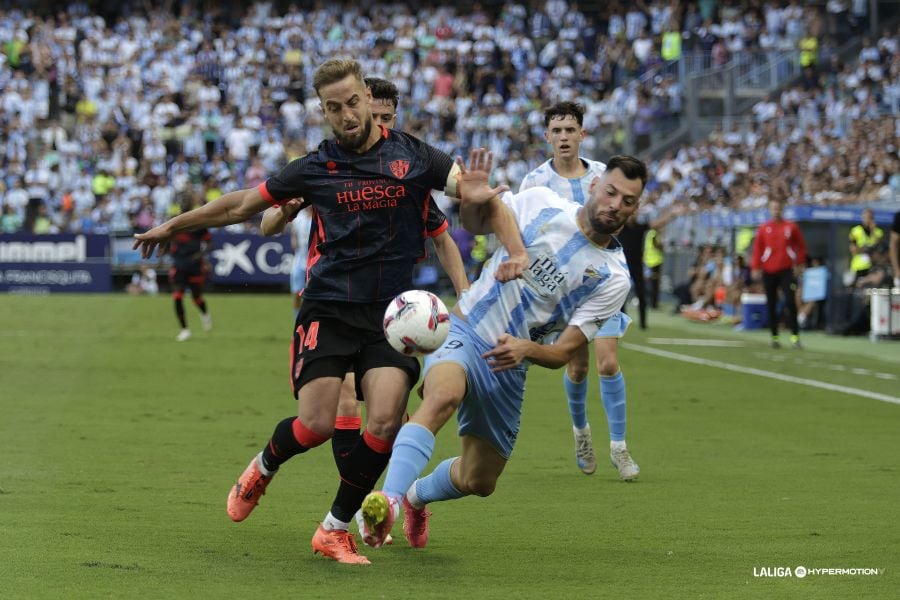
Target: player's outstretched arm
275, 218
481, 211
511, 351
233, 207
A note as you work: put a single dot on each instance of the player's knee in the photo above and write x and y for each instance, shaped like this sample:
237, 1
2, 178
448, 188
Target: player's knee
382, 426
348, 406
318, 424
479, 485
438, 406
577, 372
607, 366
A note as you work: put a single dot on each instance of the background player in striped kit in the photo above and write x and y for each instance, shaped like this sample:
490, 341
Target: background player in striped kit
570, 176
575, 281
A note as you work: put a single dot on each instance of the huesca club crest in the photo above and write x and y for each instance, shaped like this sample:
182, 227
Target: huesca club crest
399, 168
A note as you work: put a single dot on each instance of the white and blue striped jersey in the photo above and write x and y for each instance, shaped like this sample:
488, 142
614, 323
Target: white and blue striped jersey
568, 281
575, 189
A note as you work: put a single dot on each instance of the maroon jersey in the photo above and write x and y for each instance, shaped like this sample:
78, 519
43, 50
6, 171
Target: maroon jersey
371, 214
188, 249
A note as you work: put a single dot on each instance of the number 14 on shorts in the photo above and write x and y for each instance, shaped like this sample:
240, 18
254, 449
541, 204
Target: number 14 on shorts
308, 338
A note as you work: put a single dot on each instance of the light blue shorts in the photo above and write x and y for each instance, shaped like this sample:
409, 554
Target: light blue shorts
298, 275
492, 407
615, 326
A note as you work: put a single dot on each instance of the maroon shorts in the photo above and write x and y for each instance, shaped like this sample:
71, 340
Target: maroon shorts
331, 338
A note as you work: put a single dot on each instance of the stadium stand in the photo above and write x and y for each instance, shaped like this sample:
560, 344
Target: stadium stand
114, 112
110, 115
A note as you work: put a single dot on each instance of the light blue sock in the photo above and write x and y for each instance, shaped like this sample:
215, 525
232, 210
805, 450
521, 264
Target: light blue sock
577, 395
412, 450
612, 392
438, 485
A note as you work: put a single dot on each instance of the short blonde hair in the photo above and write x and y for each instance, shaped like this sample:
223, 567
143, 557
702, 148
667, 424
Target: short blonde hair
335, 69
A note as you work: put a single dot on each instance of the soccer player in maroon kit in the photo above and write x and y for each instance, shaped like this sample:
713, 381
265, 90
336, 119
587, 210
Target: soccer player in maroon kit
370, 192
189, 271
779, 254
385, 100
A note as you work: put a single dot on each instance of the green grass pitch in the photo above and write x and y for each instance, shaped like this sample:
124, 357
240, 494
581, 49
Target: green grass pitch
119, 446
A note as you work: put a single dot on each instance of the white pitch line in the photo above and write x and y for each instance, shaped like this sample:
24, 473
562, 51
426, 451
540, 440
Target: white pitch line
761, 373
694, 342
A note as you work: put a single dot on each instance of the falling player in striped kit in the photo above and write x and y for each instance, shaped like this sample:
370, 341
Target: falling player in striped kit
575, 280
570, 176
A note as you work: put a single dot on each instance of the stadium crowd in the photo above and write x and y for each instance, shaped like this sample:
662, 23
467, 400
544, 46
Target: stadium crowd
112, 120
830, 139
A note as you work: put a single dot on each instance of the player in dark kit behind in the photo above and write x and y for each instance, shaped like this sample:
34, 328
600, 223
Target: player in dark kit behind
370, 193
189, 271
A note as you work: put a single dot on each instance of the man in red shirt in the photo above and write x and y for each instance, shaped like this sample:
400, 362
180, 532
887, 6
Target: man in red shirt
779, 253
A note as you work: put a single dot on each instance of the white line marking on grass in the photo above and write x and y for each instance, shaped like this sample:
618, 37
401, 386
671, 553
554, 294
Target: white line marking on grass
774, 357
761, 373
694, 342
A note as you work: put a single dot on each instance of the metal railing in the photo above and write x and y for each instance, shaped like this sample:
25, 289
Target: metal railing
753, 69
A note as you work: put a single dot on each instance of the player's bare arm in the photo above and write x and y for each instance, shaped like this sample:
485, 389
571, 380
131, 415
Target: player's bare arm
275, 218
481, 211
510, 351
233, 207
451, 260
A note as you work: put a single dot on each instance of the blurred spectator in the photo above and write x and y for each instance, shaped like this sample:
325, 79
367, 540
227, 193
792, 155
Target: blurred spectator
688, 291
738, 281
42, 224
811, 294
878, 275
654, 256
10, 221
865, 239
478, 254
143, 282
894, 249
465, 241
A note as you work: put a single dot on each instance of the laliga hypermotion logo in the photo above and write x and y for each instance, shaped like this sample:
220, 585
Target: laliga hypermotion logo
231, 256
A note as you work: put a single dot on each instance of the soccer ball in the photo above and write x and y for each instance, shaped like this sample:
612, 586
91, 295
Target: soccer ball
416, 322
